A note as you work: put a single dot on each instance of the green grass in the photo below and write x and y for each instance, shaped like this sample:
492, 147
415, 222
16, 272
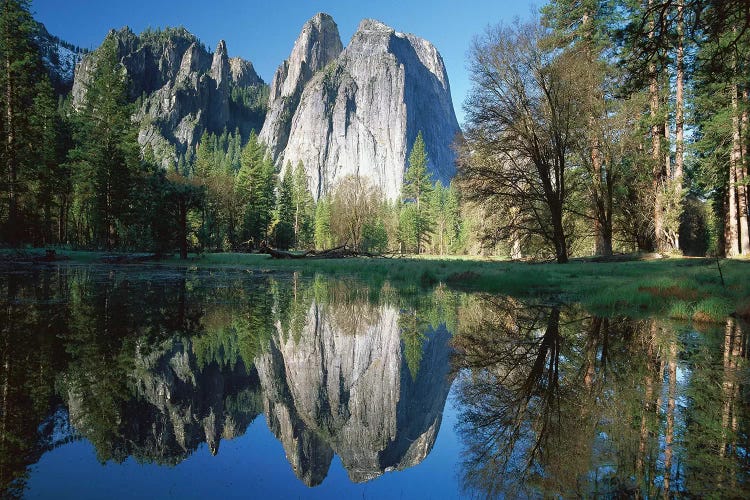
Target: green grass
678, 287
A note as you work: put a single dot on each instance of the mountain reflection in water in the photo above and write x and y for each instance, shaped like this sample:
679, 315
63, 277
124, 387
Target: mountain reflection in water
152, 364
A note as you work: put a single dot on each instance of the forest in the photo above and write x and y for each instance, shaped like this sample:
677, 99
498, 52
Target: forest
595, 127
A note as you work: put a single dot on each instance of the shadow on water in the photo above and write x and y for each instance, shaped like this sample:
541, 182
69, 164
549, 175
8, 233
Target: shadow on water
152, 364
554, 401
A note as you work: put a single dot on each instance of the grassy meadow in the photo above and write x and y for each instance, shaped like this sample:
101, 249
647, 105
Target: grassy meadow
680, 288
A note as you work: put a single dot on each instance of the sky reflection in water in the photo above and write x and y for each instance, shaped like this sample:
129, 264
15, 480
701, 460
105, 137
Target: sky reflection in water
130, 380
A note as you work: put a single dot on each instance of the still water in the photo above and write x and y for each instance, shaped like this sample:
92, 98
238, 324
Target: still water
135, 382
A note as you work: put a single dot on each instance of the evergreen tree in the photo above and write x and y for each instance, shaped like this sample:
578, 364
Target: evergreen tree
256, 181
417, 188
453, 222
304, 206
721, 106
417, 179
446, 219
19, 72
283, 226
106, 157
374, 236
50, 176
183, 195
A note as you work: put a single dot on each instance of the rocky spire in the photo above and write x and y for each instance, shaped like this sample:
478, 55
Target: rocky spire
220, 64
318, 44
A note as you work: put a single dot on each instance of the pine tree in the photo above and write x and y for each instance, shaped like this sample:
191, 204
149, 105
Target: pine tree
304, 206
21, 69
417, 188
106, 156
49, 175
283, 225
454, 223
720, 106
417, 179
256, 182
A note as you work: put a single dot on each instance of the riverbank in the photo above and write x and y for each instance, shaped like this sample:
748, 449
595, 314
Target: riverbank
680, 288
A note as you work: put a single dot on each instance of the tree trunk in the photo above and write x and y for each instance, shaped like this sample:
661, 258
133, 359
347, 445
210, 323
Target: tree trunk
731, 230
183, 229
603, 239
608, 209
561, 248
515, 246
679, 112
656, 133
10, 153
742, 188
743, 151
667, 172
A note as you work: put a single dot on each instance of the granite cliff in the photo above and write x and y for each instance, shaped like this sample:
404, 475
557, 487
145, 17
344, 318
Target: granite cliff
361, 112
317, 45
340, 111
181, 90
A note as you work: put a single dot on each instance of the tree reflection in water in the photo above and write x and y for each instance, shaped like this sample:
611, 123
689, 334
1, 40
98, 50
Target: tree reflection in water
557, 402
151, 364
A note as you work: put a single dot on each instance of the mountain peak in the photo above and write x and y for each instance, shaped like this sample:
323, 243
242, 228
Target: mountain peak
220, 64
317, 45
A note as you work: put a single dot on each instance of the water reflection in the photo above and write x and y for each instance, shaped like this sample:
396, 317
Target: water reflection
552, 401
152, 364
557, 402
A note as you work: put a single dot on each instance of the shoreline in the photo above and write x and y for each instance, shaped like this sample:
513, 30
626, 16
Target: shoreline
679, 287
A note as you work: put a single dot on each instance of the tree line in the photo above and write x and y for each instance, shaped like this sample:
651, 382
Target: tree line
76, 176
601, 126
606, 126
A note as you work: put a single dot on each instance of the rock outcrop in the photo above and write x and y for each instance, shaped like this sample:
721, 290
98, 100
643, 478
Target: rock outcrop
362, 112
59, 57
318, 44
180, 89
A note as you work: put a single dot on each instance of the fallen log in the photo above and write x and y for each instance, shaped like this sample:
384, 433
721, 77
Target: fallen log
281, 254
340, 252
129, 258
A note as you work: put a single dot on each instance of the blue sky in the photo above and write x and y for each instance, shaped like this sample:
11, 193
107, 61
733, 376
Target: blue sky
264, 31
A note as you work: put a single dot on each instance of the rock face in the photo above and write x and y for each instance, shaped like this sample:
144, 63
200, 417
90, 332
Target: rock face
59, 57
318, 44
362, 112
180, 89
